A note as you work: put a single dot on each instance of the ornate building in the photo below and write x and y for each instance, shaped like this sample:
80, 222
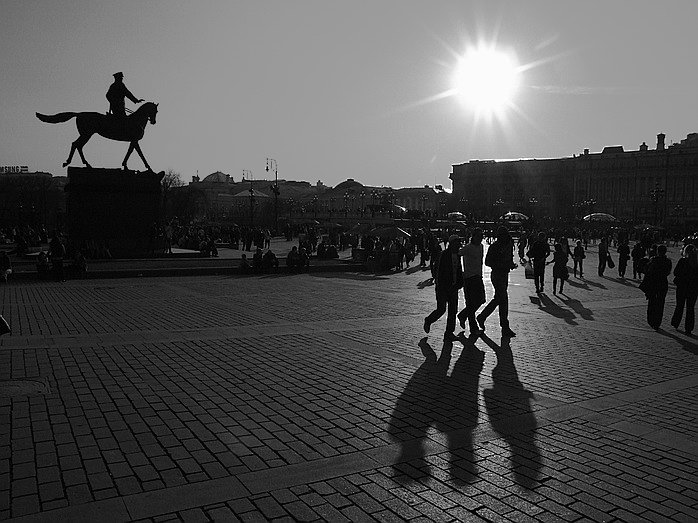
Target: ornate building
648, 185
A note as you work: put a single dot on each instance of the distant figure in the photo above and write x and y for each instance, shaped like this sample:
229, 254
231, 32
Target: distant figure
244, 264
638, 254
539, 252
42, 265
293, 258
623, 257
655, 286
117, 94
560, 273
57, 253
686, 280
269, 261
579, 256
500, 258
449, 279
603, 256
5, 266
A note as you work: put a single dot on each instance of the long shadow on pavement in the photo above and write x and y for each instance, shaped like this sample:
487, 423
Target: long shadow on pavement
431, 398
687, 344
576, 306
547, 305
508, 406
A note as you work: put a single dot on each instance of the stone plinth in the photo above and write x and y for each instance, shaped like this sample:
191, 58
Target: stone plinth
114, 206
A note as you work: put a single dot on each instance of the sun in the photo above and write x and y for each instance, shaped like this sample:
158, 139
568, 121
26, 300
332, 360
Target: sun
486, 80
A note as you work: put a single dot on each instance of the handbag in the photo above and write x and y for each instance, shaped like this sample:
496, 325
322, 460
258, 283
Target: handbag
610, 262
528, 270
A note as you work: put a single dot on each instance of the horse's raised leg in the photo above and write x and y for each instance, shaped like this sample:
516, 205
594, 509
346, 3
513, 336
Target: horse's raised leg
131, 146
140, 153
77, 146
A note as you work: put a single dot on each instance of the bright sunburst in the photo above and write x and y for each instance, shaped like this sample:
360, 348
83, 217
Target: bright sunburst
485, 80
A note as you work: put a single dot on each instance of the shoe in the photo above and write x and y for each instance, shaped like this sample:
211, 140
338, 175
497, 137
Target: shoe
426, 326
508, 332
481, 322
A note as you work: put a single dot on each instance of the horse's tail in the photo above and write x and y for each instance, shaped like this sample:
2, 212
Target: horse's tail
56, 118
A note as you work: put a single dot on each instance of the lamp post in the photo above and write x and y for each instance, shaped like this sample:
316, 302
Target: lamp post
679, 212
290, 208
656, 195
315, 205
346, 204
252, 198
362, 195
499, 204
391, 199
532, 201
331, 206
374, 195
275, 189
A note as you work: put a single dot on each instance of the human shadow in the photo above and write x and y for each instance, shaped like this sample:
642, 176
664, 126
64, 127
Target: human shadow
594, 284
508, 406
549, 306
449, 404
577, 284
625, 281
688, 343
359, 276
415, 268
577, 307
426, 283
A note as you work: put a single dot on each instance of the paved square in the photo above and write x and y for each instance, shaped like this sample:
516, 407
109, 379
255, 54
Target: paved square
311, 397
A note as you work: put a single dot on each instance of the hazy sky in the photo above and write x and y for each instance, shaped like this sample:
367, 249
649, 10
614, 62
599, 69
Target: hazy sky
341, 89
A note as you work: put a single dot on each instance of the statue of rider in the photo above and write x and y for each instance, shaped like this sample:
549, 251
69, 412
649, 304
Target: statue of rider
116, 95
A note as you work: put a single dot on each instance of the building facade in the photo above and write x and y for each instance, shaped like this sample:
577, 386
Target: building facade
657, 185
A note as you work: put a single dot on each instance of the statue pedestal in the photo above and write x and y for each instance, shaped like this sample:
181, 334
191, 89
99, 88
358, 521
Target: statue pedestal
116, 207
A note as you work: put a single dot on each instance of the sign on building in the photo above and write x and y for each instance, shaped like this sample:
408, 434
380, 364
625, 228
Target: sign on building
13, 169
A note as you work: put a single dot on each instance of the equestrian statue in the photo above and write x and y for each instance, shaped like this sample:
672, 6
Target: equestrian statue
115, 125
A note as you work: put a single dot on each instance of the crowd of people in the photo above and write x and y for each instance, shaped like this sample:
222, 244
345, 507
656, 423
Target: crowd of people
461, 267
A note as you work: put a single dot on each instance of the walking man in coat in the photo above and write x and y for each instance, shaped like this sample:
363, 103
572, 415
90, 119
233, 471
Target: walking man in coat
473, 287
449, 279
500, 258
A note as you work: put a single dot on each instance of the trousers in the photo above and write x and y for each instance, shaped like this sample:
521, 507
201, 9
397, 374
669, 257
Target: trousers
445, 300
500, 300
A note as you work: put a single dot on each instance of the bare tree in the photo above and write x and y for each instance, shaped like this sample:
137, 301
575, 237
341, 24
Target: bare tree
170, 181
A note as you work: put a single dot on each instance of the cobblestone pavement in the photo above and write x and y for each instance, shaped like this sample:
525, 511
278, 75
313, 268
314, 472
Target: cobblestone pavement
318, 397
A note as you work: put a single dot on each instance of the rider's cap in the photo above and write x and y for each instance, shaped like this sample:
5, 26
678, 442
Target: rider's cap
118, 75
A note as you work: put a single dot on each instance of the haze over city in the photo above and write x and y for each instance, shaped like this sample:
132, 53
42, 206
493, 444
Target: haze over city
333, 90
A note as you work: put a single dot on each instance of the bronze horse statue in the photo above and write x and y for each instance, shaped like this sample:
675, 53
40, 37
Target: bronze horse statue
128, 129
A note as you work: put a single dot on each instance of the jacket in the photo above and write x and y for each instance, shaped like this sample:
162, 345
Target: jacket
445, 281
500, 256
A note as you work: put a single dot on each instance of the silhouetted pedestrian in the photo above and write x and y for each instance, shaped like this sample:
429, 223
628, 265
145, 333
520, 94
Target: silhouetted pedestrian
539, 252
560, 273
579, 256
500, 258
449, 279
655, 286
623, 257
686, 280
603, 256
473, 287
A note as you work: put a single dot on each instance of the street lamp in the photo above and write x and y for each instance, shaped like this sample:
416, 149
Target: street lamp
533, 201
252, 198
362, 195
656, 195
374, 196
290, 207
275, 189
346, 204
391, 199
315, 205
499, 204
